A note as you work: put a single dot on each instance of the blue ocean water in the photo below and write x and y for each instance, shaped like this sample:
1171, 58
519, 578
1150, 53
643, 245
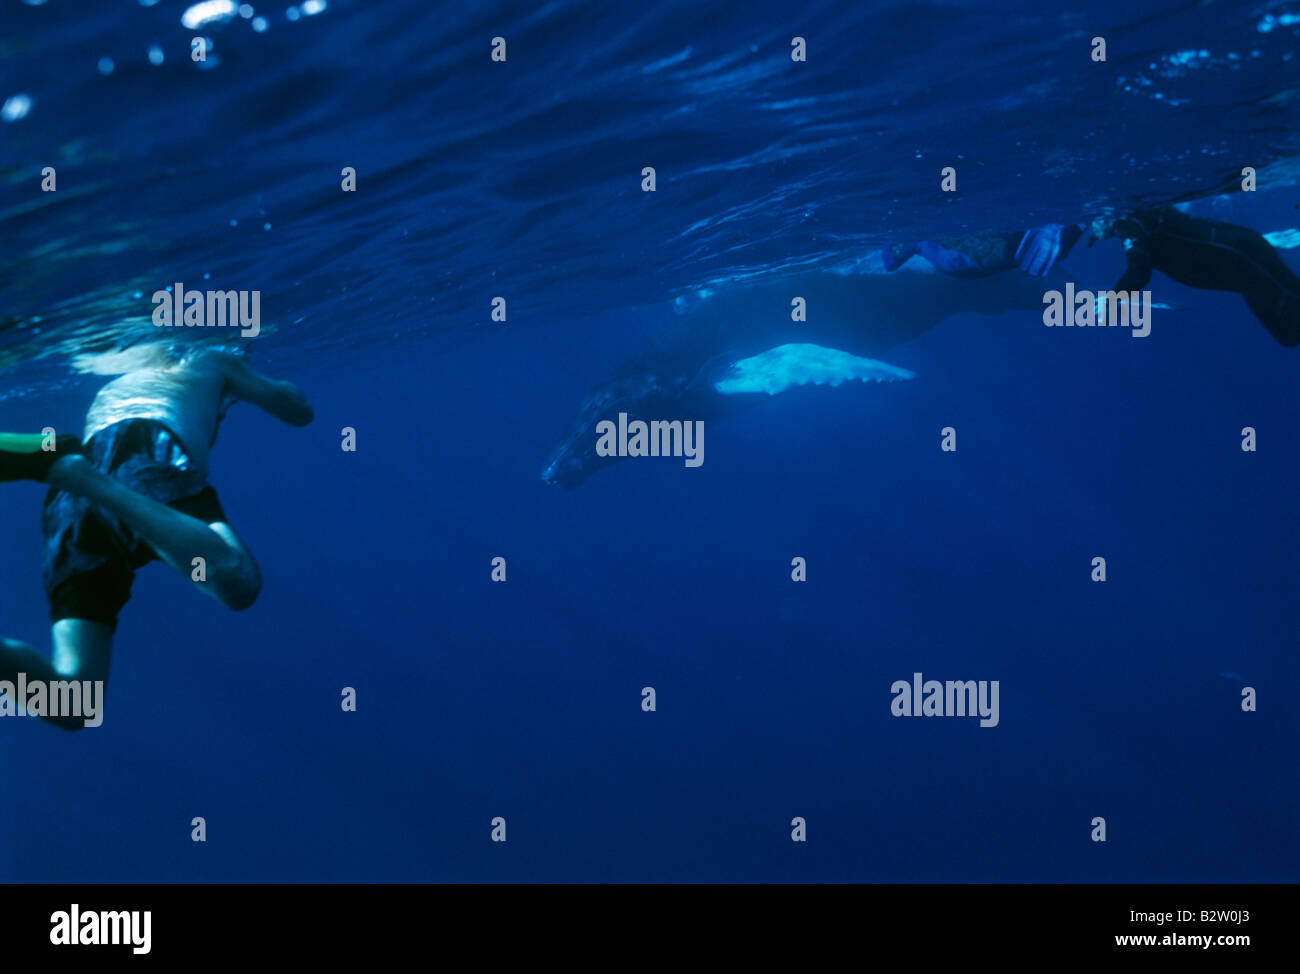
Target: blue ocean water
523, 700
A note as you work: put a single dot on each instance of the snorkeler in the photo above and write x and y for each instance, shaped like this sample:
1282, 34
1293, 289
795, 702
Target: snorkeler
1035, 251
1210, 255
134, 492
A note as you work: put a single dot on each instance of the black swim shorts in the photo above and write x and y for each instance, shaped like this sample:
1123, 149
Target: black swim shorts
91, 557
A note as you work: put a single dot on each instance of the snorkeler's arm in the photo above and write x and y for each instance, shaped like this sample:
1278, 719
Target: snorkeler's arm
1138, 273
282, 399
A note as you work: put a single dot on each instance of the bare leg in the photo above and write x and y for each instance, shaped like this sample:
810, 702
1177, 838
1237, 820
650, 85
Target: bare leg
82, 651
231, 574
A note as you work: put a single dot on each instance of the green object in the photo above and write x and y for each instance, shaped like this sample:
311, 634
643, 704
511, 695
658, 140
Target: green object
23, 456
21, 442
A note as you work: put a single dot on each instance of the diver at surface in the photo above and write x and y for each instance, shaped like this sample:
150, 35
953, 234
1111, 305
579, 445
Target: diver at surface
134, 491
1210, 255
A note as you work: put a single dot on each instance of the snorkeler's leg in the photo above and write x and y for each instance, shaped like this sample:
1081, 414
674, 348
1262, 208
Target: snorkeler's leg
229, 573
82, 650
29, 456
1227, 257
1278, 311
1275, 295
1270, 288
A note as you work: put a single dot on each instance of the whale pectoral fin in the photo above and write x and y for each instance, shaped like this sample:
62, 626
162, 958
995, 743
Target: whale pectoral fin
785, 366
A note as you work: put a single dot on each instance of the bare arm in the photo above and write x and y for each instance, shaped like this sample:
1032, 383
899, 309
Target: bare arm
282, 399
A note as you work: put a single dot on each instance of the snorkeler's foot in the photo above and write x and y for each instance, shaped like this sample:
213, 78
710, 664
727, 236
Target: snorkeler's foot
24, 456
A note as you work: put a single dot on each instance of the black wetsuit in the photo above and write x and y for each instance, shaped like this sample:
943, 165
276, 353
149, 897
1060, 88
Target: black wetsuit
1213, 256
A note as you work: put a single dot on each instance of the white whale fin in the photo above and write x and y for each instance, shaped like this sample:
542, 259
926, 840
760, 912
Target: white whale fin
779, 368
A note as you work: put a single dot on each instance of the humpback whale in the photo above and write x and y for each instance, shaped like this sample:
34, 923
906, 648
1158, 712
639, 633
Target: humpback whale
740, 346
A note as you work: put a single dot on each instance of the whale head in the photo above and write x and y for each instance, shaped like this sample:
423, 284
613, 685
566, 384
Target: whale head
642, 395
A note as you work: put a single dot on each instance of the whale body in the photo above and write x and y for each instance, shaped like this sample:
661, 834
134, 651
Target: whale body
740, 346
